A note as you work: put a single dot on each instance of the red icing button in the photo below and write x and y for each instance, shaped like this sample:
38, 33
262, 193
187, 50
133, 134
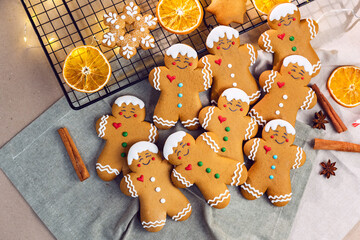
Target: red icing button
267, 149
281, 36
171, 78
287, 140
173, 63
241, 109
189, 167
224, 105
188, 144
272, 136
218, 47
222, 119
289, 72
141, 178
190, 64
152, 158
135, 115
139, 165
116, 125
233, 43
120, 113
179, 157
302, 78
279, 24
280, 84
218, 62
294, 19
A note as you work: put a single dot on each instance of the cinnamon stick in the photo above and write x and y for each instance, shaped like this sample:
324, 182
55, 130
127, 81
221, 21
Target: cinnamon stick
334, 118
324, 144
74, 154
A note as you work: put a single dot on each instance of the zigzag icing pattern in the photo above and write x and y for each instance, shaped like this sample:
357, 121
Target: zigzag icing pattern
156, 79
207, 118
299, 153
270, 81
190, 122
219, 199
153, 224
311, 27
254, 149
316, 66
251, 53
163, 122
267, 42
254, 96
280, 198
130, 186
183, 213
102, 126
259, 119
210, 142
207, 73
308, 99
250, 129
107, 168
153, 133
181, 179
236, 180
247, 187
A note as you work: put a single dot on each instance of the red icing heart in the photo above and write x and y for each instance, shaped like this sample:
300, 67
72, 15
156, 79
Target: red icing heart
267, 149
281, 36
218, 62
141, 178
171, 78
116, 125
280, 84
189, 167
222, 119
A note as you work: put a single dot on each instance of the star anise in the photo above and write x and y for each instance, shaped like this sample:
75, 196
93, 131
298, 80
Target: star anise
328, 169
319, 120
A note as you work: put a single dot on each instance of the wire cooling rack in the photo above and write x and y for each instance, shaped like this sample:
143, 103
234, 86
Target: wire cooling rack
62, 25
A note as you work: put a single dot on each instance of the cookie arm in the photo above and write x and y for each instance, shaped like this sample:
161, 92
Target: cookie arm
148, 132
266, 43
204, 74
179, 178
267, 80
251, 148
310, 100
157, 76
127, 186
299, 157
248, 51
208, 118
251, 129
312, 27
209, 140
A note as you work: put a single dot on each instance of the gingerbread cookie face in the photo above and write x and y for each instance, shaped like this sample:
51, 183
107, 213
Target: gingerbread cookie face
229, 62
286, 91
180, 81
274, 156
227, 11
289, 35
125, 127
129, 42
150, 181
198, 162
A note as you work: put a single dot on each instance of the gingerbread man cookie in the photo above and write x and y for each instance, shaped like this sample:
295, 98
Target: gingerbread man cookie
230, 62
125, 127
198, 162
289, 36
228, 11
286, 91
129, 42
180, 81
274, 156
150, 181
230, 123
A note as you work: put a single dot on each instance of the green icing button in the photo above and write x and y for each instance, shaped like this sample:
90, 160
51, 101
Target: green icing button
217, 175
227, 129
123, 154
225, 139
208, 170
125, 134
291, 38
223, 149
200, 164
124, 144
293, 48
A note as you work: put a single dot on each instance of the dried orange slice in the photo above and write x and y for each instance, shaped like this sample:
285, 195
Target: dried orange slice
264, 6
179, 16
344, 86
86, 69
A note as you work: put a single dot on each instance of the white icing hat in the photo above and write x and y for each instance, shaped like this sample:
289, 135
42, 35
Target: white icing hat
237, 94
273, 124
219, 32
282, 10
138, 148
171, 142
299, 60
182, 49
129, 99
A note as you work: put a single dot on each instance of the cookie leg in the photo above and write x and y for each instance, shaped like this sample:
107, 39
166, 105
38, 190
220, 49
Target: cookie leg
240, 175
216, 195
152, 221
190, 119
260, 120
252, 190
279, 197
109, 163
164, 118
181, 209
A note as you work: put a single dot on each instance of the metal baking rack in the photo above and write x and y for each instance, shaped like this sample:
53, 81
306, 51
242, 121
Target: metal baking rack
62, 25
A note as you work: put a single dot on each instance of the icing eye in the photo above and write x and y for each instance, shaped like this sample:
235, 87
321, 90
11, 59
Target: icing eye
120, 113
294, 19
188, 144
179, 157
190, 64
225, 105
272, 136
279, 24
153, 158
135, 115
233, 43
287, 140
139, 165
173, 63
218, 47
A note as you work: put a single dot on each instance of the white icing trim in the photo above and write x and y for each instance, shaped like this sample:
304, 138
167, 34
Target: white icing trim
316, 66
190, 122
251, 53
299, 60
207, 118
130, 186
311, 28
254, 96
247, 187
219, 199
207, 73
102, 126
254, 149
153, 224
156, 79
107, 168
148, 41
182, 49
182, 213
273, 124
259, 119
209, 141
129, 99
280, 198
308, 100
138, 148
237, 94
172, 142
220, 32
299, 153
250, 129
181, 179
270, 81
161, 121
282, 10
153, 133
236, 180
267, 42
